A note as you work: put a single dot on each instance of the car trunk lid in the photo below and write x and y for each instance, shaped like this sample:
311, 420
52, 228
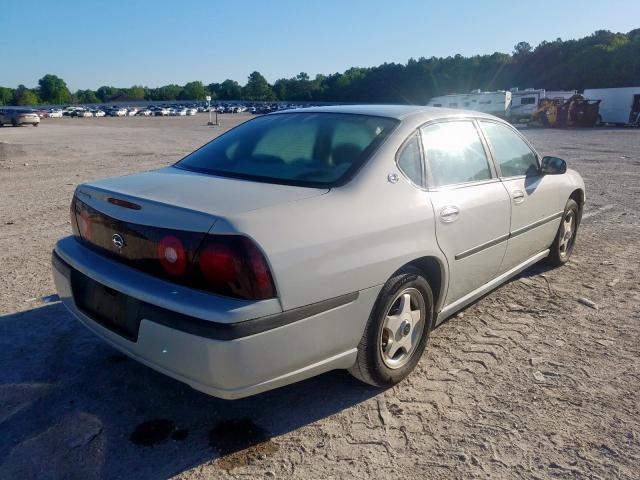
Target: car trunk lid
176, 198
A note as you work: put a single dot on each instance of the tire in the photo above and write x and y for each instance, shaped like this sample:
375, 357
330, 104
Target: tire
374, 364
36, 124
562, 246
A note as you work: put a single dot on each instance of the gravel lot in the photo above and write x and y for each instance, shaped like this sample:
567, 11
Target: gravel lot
526, 383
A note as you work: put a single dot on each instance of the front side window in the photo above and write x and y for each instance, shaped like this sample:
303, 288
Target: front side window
454, 153
306, 149
410, 161
513, 155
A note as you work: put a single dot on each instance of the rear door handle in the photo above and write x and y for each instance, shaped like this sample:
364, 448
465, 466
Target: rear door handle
449, 213
518, 196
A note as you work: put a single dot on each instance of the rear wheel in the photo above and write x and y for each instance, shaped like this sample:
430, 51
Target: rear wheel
562, 246
397, 331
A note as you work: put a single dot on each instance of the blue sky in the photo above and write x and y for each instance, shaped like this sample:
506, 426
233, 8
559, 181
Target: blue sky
154, 42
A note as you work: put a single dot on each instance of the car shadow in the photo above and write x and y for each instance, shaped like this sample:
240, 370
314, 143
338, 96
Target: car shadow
73, 407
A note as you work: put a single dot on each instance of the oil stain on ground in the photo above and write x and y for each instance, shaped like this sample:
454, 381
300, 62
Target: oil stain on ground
240, 442
156, 431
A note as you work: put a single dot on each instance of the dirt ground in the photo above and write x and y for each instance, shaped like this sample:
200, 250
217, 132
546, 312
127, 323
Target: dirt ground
527, 383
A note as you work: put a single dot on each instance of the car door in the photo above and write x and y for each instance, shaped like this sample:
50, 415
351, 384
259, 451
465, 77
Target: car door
536, 203
470, 204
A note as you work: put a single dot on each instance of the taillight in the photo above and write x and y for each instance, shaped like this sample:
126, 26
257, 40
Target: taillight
172, 255
123, 203
218, 264
233, 265
84, 224
81, 220
74, 221
229, 265
264, 286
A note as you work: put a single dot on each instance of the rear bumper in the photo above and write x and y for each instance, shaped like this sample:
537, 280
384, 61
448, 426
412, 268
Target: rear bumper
225, 352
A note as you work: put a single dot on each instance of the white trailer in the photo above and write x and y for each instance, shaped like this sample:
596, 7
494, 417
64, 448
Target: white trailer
454, 100
620, 106
524, 103
560, 94
494, 103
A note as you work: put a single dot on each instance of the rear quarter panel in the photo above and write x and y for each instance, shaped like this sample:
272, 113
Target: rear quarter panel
352, 238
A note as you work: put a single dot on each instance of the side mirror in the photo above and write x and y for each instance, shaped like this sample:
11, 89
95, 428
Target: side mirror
553, 166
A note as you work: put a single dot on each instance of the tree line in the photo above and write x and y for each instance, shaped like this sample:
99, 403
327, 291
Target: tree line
603, 59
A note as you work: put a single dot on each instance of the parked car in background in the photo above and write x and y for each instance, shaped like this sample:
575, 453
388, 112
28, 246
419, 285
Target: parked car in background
145, 112
84, 113
117, 112
179, 111
389, 220
192, 111
42, 113
18, 117
70, 111
99, 113
55, 113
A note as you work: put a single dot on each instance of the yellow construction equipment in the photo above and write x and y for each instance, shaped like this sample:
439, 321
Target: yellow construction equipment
560, 113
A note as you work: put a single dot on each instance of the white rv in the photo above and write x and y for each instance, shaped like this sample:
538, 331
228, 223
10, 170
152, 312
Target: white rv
454, 100
524, 103
560, 94
494, 103
620, 106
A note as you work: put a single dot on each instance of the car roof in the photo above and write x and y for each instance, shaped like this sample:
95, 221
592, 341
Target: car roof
399, 112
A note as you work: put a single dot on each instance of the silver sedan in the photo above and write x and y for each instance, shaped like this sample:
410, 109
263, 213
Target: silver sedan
310, 240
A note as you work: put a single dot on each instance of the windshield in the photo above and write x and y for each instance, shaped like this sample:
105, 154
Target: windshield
306, 149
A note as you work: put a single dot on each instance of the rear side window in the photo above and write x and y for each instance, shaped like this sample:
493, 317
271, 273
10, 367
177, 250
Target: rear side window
410, 161
454, 153
513, 155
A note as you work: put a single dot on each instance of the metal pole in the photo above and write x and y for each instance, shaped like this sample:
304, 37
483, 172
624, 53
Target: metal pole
209, 108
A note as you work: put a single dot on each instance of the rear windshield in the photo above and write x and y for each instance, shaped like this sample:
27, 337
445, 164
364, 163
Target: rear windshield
306, 149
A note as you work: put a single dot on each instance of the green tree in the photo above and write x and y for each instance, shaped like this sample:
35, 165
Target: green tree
105, 92
169, 92
137, 92
522, 48
257, 88
53, 90
86, 96
6, 96
193, 91
230, 90
24, 96
214, 89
